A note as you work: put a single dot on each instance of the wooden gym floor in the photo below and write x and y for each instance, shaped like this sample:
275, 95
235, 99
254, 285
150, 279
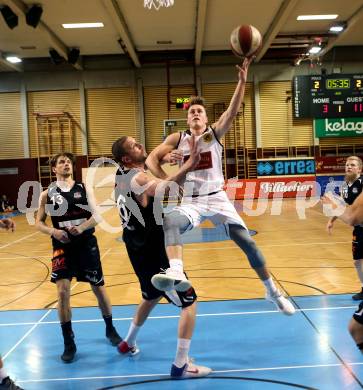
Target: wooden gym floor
302, 257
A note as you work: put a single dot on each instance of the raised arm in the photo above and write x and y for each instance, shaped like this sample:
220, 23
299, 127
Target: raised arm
153, 162
225, 121
143, 184
352, 215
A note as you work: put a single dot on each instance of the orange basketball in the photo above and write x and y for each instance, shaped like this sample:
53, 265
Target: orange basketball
246, 40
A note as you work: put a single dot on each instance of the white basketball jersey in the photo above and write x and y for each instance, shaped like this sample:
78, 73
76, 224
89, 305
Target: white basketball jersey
207, 177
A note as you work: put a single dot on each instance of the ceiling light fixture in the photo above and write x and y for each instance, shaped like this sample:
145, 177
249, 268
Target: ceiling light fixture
316, 17
33, 15
315, 49
338, 27
83, 25
55, 57
13, 59
11, 18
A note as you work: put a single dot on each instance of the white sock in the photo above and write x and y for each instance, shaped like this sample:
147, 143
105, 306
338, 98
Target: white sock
270, 285
3, 374
131, 335
182, 352
358, 267
176, 264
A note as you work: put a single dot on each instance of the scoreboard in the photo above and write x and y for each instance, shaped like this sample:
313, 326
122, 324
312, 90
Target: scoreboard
334, 96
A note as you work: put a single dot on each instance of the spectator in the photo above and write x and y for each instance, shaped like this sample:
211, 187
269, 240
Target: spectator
5, 205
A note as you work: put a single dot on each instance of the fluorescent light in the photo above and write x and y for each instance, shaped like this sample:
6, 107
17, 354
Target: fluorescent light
13, 59
82, 25
316, 17
315, 50
336, 28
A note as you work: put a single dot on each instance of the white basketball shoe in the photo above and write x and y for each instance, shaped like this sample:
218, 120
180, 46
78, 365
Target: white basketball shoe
189, 370
281, 302
171, 279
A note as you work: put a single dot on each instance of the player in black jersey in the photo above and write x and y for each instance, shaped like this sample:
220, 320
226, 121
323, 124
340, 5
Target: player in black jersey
6, 383
75, 249
140, 212
352, 215
350, 190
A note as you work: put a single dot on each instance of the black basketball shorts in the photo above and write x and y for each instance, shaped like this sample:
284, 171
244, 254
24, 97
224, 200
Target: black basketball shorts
80, 260
148, 260
357, 243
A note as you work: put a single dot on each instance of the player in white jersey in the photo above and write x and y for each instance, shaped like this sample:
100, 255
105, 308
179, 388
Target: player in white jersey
204, 197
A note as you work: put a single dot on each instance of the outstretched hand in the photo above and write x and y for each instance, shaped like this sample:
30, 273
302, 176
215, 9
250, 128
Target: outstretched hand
333, 205
243, 68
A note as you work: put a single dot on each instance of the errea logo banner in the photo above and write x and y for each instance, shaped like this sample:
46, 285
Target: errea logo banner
284, 167
338, 127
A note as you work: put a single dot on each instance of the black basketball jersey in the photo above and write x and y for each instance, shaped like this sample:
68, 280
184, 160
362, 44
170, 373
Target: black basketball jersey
140, 224
68, 208
351, 191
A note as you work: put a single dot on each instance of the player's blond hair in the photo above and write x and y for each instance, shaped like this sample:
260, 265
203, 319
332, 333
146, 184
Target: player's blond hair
356, 158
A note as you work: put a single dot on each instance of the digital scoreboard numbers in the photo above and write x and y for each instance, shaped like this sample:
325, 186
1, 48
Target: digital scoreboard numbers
334, 96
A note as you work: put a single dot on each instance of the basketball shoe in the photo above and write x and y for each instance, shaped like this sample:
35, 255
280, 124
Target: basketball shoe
124, 348
281, 302
358, 296
70, 350
8, 384
113, 336
189, 370
171, 279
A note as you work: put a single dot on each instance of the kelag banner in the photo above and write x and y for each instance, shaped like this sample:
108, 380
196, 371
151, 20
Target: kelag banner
338, 127
286, 166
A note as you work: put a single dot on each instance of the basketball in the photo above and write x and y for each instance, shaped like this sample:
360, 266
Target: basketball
245, 40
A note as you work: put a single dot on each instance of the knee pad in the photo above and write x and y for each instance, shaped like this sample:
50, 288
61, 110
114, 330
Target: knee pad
174, 224
243, 239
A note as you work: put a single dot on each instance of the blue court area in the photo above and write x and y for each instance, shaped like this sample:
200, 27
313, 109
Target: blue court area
247, 343
12, 214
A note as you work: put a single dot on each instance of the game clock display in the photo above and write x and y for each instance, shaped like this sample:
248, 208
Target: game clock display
334, 96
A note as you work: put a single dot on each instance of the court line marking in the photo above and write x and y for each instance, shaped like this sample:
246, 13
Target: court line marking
20, 239
177, 316
168, 375
38, 322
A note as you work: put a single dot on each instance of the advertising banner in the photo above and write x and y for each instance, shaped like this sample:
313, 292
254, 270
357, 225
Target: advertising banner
286, 167
279, 187
329, 184
330, 165
338, 127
